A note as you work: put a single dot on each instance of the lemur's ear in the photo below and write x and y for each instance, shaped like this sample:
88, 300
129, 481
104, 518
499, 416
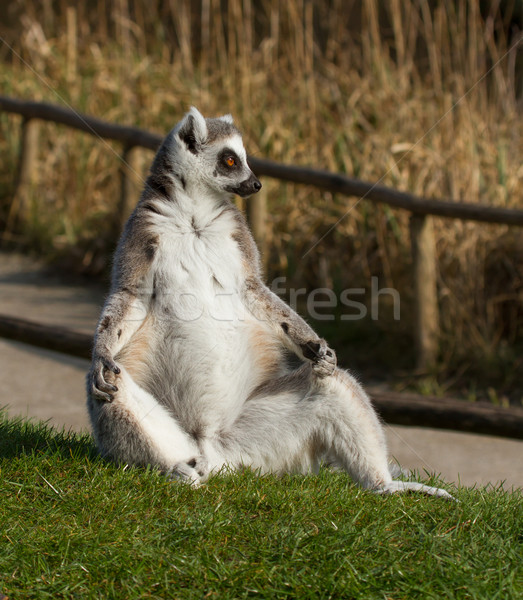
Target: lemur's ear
227, 119
193, 130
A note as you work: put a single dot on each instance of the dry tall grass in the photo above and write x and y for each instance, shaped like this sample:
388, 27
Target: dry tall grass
422, 96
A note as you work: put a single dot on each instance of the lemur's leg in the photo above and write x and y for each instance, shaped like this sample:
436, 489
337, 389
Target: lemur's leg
291, 424
129, 424
356, 437
135, 428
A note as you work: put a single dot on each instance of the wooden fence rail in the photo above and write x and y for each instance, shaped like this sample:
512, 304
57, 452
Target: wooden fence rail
325, 180
395, 408
426, 332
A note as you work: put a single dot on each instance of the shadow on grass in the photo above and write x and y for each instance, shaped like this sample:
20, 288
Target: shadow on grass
20, 436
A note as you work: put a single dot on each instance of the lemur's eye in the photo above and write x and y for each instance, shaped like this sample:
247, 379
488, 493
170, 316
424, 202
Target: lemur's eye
230, 161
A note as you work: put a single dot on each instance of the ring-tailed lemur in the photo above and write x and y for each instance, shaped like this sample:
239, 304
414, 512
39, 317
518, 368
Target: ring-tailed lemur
190, 368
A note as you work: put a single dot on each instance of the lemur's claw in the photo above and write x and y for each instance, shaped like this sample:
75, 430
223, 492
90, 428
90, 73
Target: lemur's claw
108, 387
194, 471
104, 370
322, 357
96, 392
325, 366
110, 365
310, 350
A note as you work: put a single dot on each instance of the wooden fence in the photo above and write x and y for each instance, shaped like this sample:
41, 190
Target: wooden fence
422, 210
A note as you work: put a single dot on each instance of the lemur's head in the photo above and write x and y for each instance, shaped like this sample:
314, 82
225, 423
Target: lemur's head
211, 152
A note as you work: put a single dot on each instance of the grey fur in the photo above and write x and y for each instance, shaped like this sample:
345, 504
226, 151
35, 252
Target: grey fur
218, 129
191, 394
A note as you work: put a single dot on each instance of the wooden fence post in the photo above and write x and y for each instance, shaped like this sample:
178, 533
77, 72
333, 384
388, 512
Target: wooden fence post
256, 211
131, 185
426, 320
20, 207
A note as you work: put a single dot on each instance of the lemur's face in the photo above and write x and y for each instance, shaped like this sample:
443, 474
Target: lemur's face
231, 171
215, 151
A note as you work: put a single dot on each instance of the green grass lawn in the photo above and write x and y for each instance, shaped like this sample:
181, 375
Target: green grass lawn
72, 525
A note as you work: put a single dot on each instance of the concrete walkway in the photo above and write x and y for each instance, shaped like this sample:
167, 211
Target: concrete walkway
47, 385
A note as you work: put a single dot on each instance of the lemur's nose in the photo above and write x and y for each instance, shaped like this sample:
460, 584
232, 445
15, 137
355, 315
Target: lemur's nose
257, 185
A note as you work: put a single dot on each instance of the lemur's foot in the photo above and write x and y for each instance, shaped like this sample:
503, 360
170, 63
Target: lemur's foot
322, 357
102, 378
406, 486
194, 471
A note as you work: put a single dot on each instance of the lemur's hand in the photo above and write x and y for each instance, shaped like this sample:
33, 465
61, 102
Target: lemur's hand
101, 376
322, 357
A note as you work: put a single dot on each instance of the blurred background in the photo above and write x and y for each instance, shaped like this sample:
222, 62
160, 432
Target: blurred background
422, 96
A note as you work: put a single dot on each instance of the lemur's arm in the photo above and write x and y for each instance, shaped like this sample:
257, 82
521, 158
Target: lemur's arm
295, 333
264, 305
127, 306
122, 315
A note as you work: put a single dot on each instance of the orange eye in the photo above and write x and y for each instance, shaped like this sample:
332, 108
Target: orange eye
230, 161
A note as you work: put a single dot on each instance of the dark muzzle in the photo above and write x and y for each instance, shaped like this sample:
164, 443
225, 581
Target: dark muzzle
249, 186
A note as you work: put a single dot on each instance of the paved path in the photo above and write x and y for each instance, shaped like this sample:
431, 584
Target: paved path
50, 386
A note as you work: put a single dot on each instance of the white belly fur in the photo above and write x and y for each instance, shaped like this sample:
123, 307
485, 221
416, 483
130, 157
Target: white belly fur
205, 362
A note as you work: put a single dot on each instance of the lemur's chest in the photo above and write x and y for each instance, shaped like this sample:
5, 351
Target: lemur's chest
198, 257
